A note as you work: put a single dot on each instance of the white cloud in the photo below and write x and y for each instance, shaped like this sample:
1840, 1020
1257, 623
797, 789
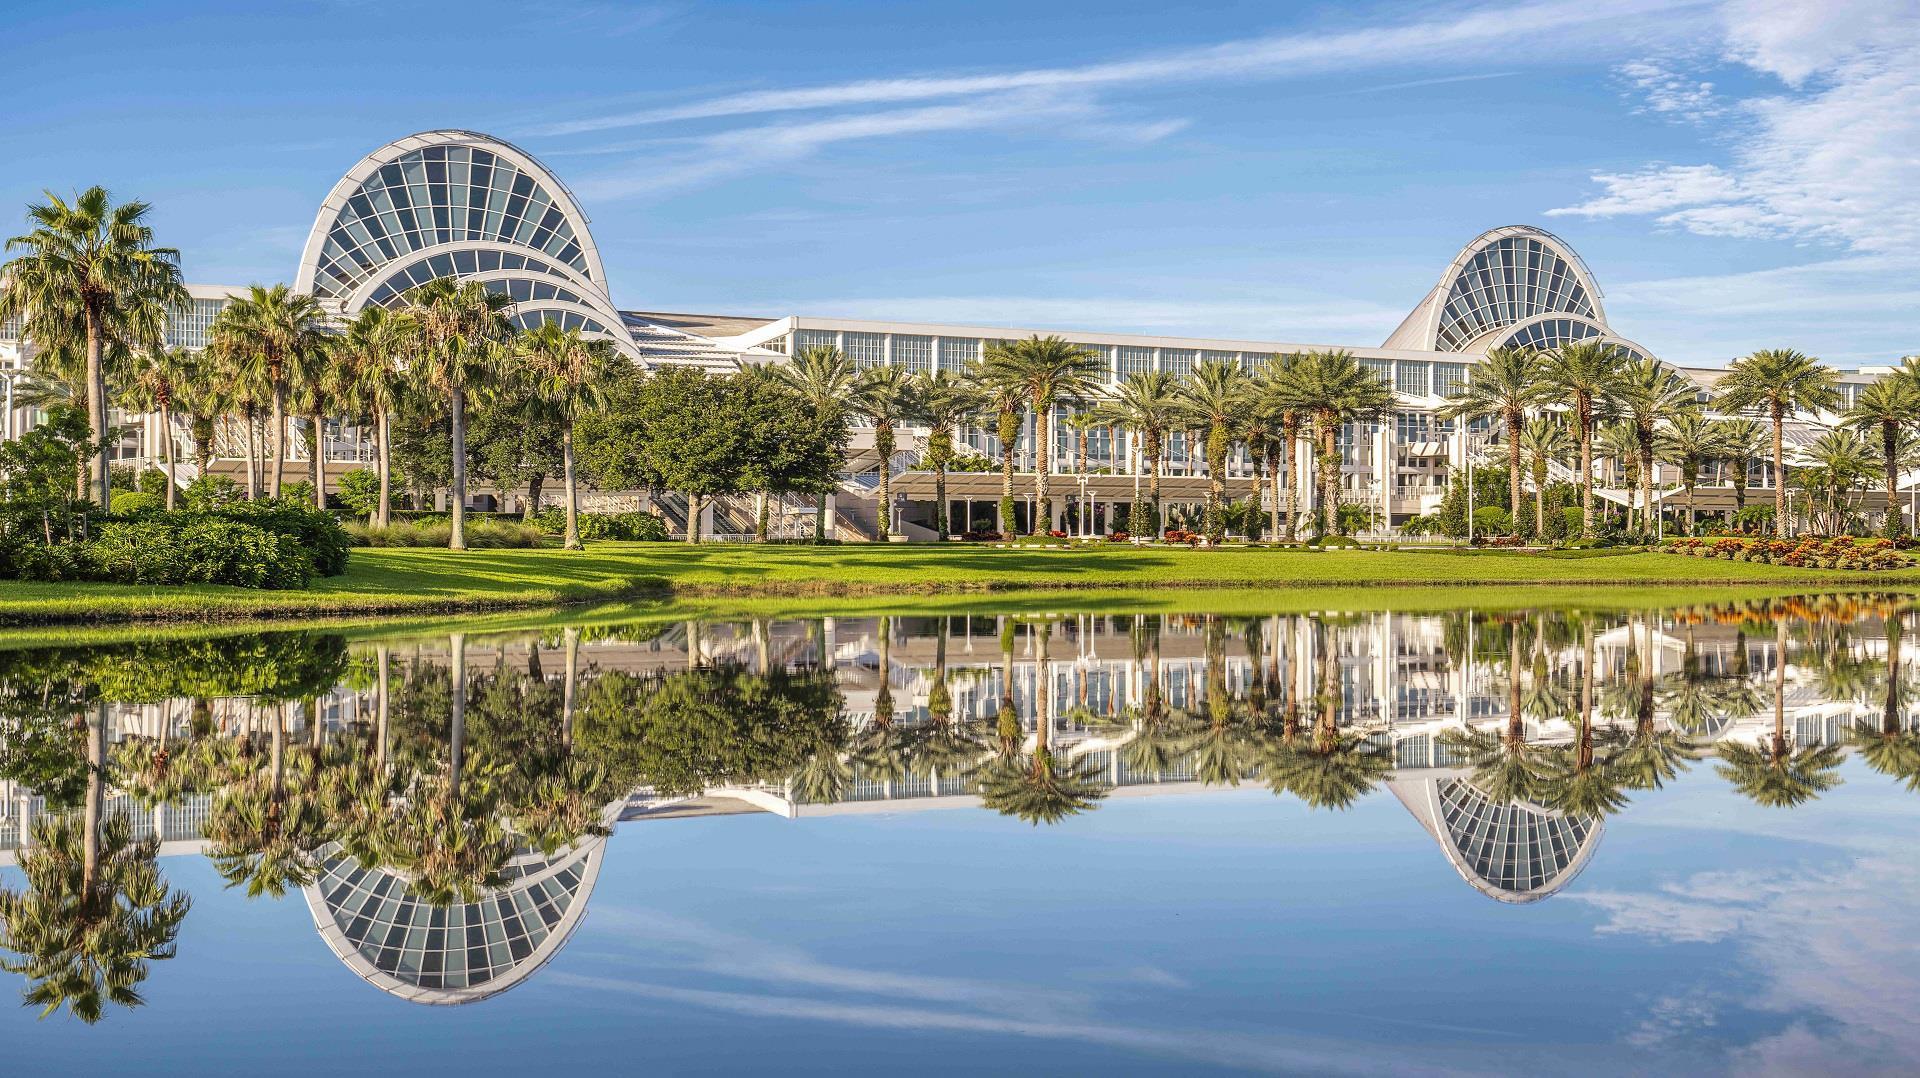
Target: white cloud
1667, 91
1828, 158
1835, 952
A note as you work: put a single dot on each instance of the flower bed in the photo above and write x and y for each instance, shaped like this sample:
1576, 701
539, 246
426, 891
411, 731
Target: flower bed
1837, 553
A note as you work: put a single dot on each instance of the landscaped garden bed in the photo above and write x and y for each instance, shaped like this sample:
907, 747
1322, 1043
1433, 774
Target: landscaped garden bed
1812, 553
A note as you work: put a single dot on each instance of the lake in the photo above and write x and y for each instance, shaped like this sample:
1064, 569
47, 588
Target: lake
1580, 839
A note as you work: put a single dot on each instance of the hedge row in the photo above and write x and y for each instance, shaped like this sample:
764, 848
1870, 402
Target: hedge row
245, 544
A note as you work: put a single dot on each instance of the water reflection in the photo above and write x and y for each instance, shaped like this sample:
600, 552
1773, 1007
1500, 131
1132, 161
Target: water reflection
442, 803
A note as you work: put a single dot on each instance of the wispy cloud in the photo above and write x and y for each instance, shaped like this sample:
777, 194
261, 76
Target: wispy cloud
1456, 37
1082, 101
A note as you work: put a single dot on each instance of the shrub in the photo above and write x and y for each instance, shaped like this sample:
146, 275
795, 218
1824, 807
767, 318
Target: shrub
360, 490
319, 533
211, 492
133, 503
1331, 542
623, 527
204, 551
1492, 520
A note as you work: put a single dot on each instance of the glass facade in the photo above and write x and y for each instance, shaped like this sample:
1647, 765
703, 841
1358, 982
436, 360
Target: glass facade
912, 353
865, 349
1177, 361
957, 352
189, 326
441, 195
1508, 281
1133, 360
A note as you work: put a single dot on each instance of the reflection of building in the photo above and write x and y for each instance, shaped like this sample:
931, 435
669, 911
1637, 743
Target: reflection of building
461, 953
1515, 852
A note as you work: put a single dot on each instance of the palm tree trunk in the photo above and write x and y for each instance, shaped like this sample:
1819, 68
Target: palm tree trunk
883, 442
381, 654
531, 503
1153, 487
383, 511
277, 438
1779, 477
940, 523
570, 539
1889, 446
571, 634
166, 449
317, 458
1278, 462
1009, 434
96, 376
1513, 472
253, 471
1042, 521
1586, 468
1648, 511
96, 798
458, 539
1540, 497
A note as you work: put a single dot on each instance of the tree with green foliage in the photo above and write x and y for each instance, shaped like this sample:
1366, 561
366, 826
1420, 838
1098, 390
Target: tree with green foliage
1149, 404
1502, 389
36, 478
89, 276
1649, 396
827, 381
272, 334
947, 402
1046, 372
886, 397
1216, 397
462, 329
371, 357
1778, 382
1583, 375
1689, 442
1889, 409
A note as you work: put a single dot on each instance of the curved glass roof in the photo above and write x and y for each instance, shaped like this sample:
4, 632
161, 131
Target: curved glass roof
1517, 851
459, 263
438, 195
1507, 281
456, 953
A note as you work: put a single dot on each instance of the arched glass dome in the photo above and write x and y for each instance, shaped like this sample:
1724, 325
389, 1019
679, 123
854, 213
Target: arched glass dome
464, 205
458, 953
1503, 278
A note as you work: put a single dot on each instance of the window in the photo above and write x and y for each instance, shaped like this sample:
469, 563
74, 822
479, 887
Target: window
865, 349
912, 353
1382, 368
1410, 377
1177, 361
805, 339
1133, 360
957, 352
1449, 378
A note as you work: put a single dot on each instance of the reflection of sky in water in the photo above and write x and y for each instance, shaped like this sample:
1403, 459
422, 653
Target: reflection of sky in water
1162, 934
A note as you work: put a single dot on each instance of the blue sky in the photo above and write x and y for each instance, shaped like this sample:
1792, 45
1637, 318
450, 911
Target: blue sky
1738, 173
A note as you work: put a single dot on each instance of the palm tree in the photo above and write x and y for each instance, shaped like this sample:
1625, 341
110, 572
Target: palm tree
96, 909
1334, 389
319, 379
1742, 441
1147, 403
1688, 443
1544, 440
571, 373
1048, 372
1216, 397
461, 327
1583, 374
1649, 395
1837, 463
1502, 389
886, 396
155, 382
1274, 396
371, 355
1889, 407
262, 833
828, 381
90, 270
1779, 382
1615, 442
1774, 773
947, 401
267, 333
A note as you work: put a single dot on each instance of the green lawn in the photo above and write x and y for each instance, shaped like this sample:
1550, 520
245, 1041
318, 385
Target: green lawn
425, 581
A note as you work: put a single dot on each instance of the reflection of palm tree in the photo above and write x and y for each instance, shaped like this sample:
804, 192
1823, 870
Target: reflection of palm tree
1649, 757
944, 746
1221, 749
880, 749
95, 909
261, 834
1892, 749
1580, 781
1506, 767
1334, 769
1774, 773
1040, 789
